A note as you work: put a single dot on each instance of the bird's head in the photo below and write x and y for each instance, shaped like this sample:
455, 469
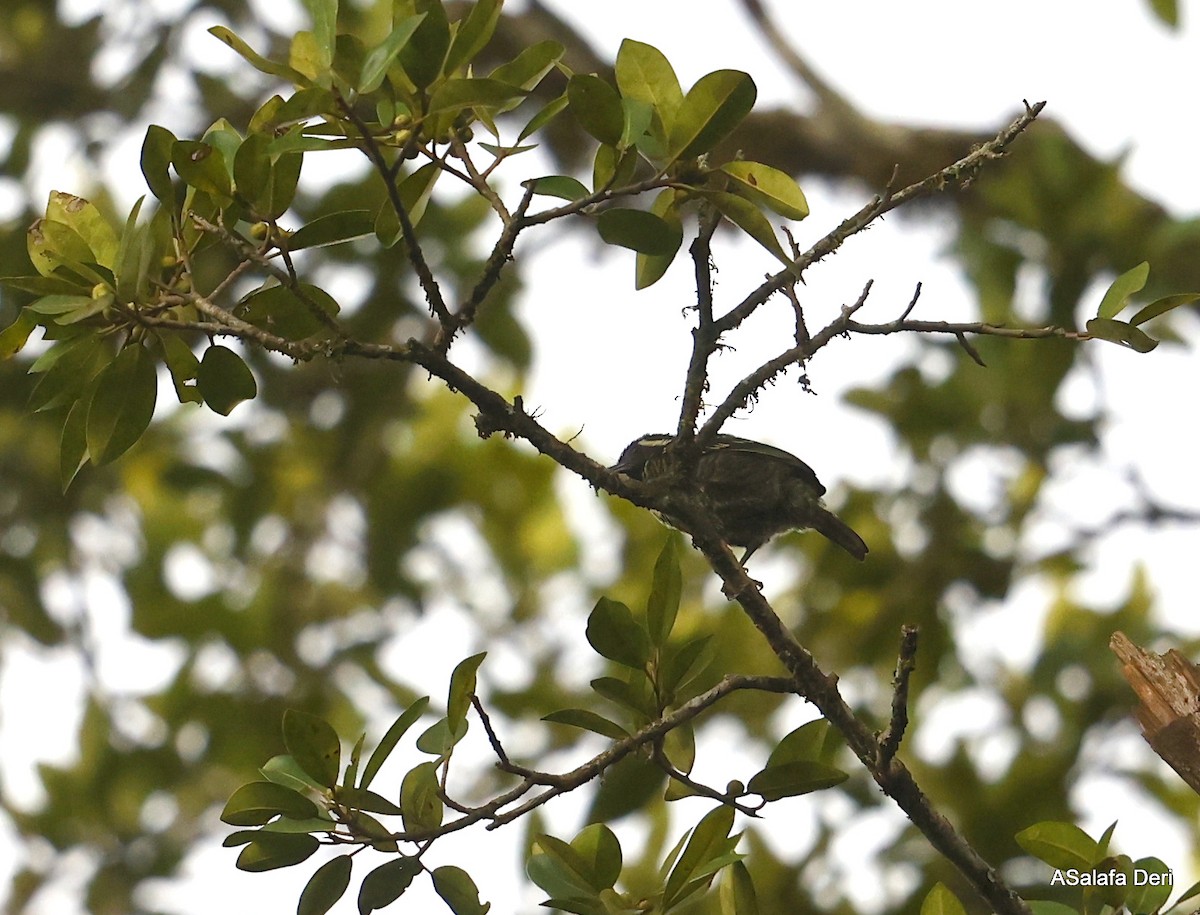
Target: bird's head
632, 461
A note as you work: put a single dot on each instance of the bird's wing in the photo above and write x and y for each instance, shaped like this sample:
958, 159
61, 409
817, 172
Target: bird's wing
802, 471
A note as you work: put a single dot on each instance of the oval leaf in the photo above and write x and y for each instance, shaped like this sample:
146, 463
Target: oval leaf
122, 405
458, 891
399, 727
386, 884
563, 186
456, 94
224, 379
588, 721
644, 73
612, 631
326, 886
314, 745
794, 779
272, 850
1061, 845
1121, 333
710, 111
640, 231
767, 186
1116, 297
260, 802
376, 63
597, 107
420, 801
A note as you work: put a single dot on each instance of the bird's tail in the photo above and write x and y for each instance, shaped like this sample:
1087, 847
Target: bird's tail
837, 530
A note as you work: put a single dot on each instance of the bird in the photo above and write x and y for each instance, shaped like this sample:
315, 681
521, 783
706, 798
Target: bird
753, 490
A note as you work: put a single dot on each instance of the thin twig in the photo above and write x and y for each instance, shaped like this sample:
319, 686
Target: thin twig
906, 663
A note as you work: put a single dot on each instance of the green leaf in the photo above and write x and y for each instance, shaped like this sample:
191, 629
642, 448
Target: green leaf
324, 17
1117, 295
710, 112
563, 186
284, 770
69, 368
376, 64
813, 741
737, 894
326, 886
252, 173
1121, 333
439, 740
613, 632
256, 60
399, 728
350, 776
613, 167
634, 696
88, 309
420, 802
72, 452
638, 116
940, 901
792, 779
747, 217
473, 34
362, 799
422, 57
767, 187
273, 850
644, 73
259, 802
14, 337
650, 268
156, 163
59, 304
708, 840
313, 744
1145, 897
597, 107
529, 67
457, 94
130, 254
203, 167
462, 689
122, 405
589, 721
332, 229
663, 603
224, 379
44, 285
685, 663
1163, 305
1061, 845
565, 870
458, 891
640, 231
599, 849
88, 223
550, 111
387, 883
380, 836
66, 246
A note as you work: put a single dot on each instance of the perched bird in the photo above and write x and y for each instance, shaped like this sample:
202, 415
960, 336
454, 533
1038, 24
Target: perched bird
754, 491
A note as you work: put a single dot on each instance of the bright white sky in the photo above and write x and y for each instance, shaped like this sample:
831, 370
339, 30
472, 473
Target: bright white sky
1114, 76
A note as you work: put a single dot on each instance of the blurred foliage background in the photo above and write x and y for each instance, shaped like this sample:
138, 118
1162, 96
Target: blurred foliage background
277, 559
